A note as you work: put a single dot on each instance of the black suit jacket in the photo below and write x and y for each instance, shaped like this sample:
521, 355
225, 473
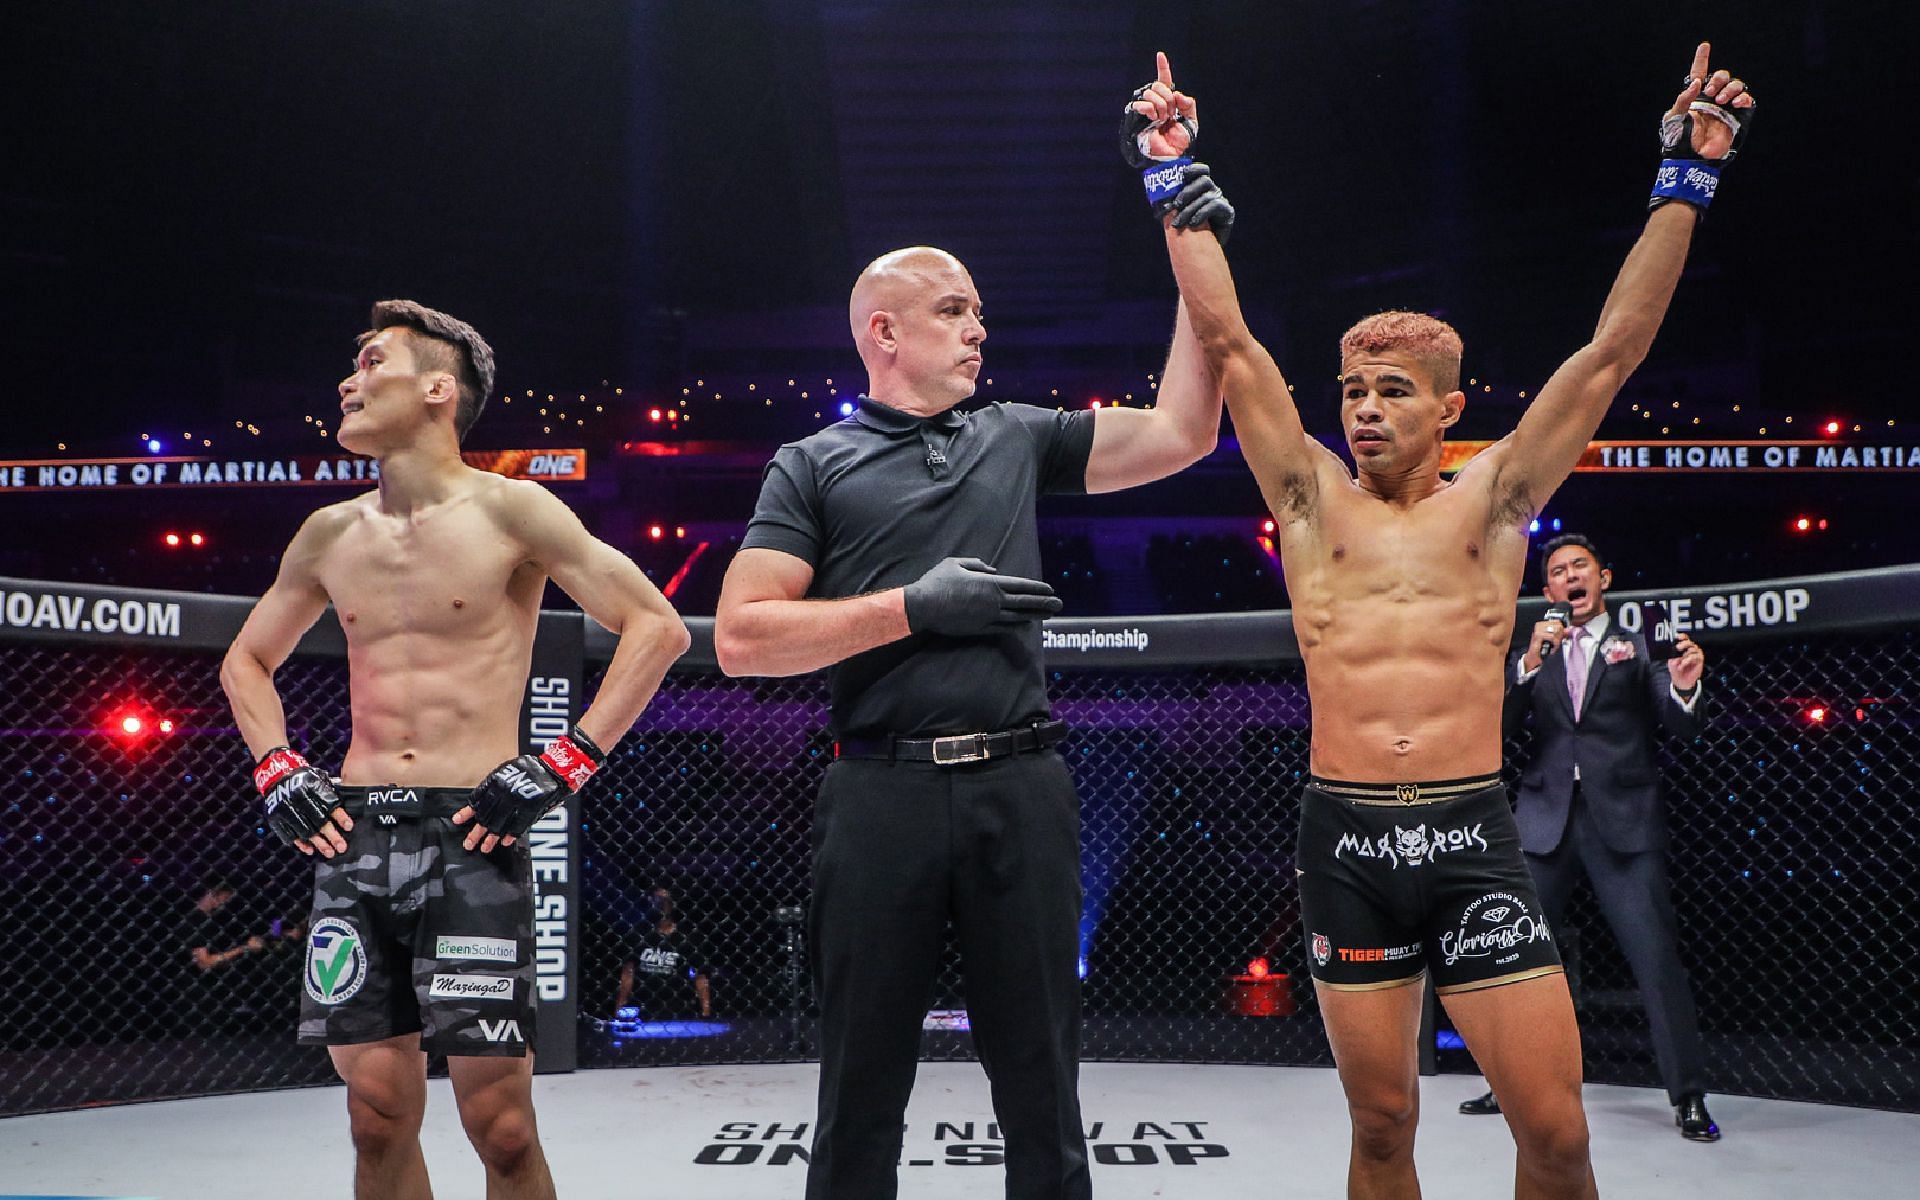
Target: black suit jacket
1626, 702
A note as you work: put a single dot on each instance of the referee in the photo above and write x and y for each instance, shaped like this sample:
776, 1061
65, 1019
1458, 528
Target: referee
898, 546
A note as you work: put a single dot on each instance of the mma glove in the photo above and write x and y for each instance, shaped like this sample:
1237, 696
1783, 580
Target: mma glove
960, 597
1684, 175
521, 790
299, 798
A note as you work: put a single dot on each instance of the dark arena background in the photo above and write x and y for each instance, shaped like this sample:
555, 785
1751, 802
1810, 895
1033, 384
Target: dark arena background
654, 211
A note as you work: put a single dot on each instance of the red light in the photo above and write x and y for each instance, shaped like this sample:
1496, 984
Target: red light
1859, 714
673, 414
1259, 968
679, 531
1822, 524
1267, 525
132, 725
172, 539
1816, 714
1833, 427
1802, 525
197, 539
655, 532
654, 414
1093, 404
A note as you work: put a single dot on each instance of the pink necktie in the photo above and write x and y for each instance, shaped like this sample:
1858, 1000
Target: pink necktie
1576, 669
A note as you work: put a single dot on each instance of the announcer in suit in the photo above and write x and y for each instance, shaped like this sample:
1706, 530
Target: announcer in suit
1590, 801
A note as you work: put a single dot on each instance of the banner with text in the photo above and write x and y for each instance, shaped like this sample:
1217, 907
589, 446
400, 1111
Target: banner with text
287, 470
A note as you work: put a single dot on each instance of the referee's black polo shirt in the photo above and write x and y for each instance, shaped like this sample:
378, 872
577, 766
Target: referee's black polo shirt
873, 501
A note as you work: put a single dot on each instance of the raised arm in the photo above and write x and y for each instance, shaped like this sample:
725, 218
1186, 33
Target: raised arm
1285, 461
613, 591
1132, 446
1543, 449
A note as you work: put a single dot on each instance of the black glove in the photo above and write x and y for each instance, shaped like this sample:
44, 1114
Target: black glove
1133, 130
299, 798
964, 596
521, 790
1683, 174
1200, 204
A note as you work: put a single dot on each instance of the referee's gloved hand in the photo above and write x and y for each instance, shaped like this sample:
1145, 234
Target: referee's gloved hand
964, 596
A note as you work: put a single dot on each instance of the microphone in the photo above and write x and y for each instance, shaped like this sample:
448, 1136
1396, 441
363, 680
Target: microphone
1555, 612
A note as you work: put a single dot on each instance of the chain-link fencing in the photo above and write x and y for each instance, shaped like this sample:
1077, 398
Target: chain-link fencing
150, 929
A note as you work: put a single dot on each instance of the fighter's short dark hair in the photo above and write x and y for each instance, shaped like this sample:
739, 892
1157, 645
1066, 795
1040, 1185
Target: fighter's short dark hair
1570, 539
443, 343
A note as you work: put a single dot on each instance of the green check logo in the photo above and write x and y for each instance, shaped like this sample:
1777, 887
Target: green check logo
336, 961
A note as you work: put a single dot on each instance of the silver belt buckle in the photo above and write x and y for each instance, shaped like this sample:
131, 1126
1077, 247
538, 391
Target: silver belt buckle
975, 748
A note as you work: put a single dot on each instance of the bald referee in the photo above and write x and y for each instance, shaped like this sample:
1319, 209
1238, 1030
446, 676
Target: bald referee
898, 547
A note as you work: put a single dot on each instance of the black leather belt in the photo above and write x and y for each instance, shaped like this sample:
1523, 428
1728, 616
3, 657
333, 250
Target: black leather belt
955, 748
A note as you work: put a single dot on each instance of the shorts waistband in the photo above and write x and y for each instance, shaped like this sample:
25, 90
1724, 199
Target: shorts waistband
399, 800
1403, 794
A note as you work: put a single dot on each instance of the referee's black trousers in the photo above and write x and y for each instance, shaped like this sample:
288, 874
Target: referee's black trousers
899, 850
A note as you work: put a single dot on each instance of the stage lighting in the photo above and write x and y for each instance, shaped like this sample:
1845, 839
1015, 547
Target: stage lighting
1259, 968
656, 532
198, 539
846, 408
1817, 715
172, 540
1832, 427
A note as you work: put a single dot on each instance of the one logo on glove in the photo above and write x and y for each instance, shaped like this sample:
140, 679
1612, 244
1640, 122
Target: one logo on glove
275, 767
519, 782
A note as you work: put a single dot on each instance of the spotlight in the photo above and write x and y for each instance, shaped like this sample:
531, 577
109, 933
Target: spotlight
656, 532
132, 726
1832, 427
155, 446
197, 539
1802, 524
172, 540
1267, 526
654, 414
846, 408
1817, 715
1259, 968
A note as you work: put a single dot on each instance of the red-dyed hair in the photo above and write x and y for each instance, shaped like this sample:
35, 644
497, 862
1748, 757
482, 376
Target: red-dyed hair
1432, 343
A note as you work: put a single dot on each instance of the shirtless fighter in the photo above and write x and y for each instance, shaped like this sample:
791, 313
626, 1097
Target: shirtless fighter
1403, 589
421, 935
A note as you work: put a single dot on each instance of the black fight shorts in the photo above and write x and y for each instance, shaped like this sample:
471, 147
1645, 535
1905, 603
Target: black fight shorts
413, 933
1398, 880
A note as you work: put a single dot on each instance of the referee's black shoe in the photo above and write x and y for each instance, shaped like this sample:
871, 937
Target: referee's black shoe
1481, 1106
1692, 1118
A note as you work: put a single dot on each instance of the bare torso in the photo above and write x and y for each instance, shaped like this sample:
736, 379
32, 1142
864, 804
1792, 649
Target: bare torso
1404, 611
439, 608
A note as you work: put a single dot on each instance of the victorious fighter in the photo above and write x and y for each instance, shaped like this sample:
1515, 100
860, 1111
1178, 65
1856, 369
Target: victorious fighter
422, 927
1403, 589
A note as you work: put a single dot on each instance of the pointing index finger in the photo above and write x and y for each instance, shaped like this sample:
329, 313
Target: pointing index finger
1164, 67
1699, 68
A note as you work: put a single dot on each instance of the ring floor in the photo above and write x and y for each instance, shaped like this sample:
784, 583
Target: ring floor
1168, 1131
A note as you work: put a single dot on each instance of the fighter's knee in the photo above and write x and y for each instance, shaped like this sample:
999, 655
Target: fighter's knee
1554, 1144
1383, 1125
503, 1140
380, 1120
